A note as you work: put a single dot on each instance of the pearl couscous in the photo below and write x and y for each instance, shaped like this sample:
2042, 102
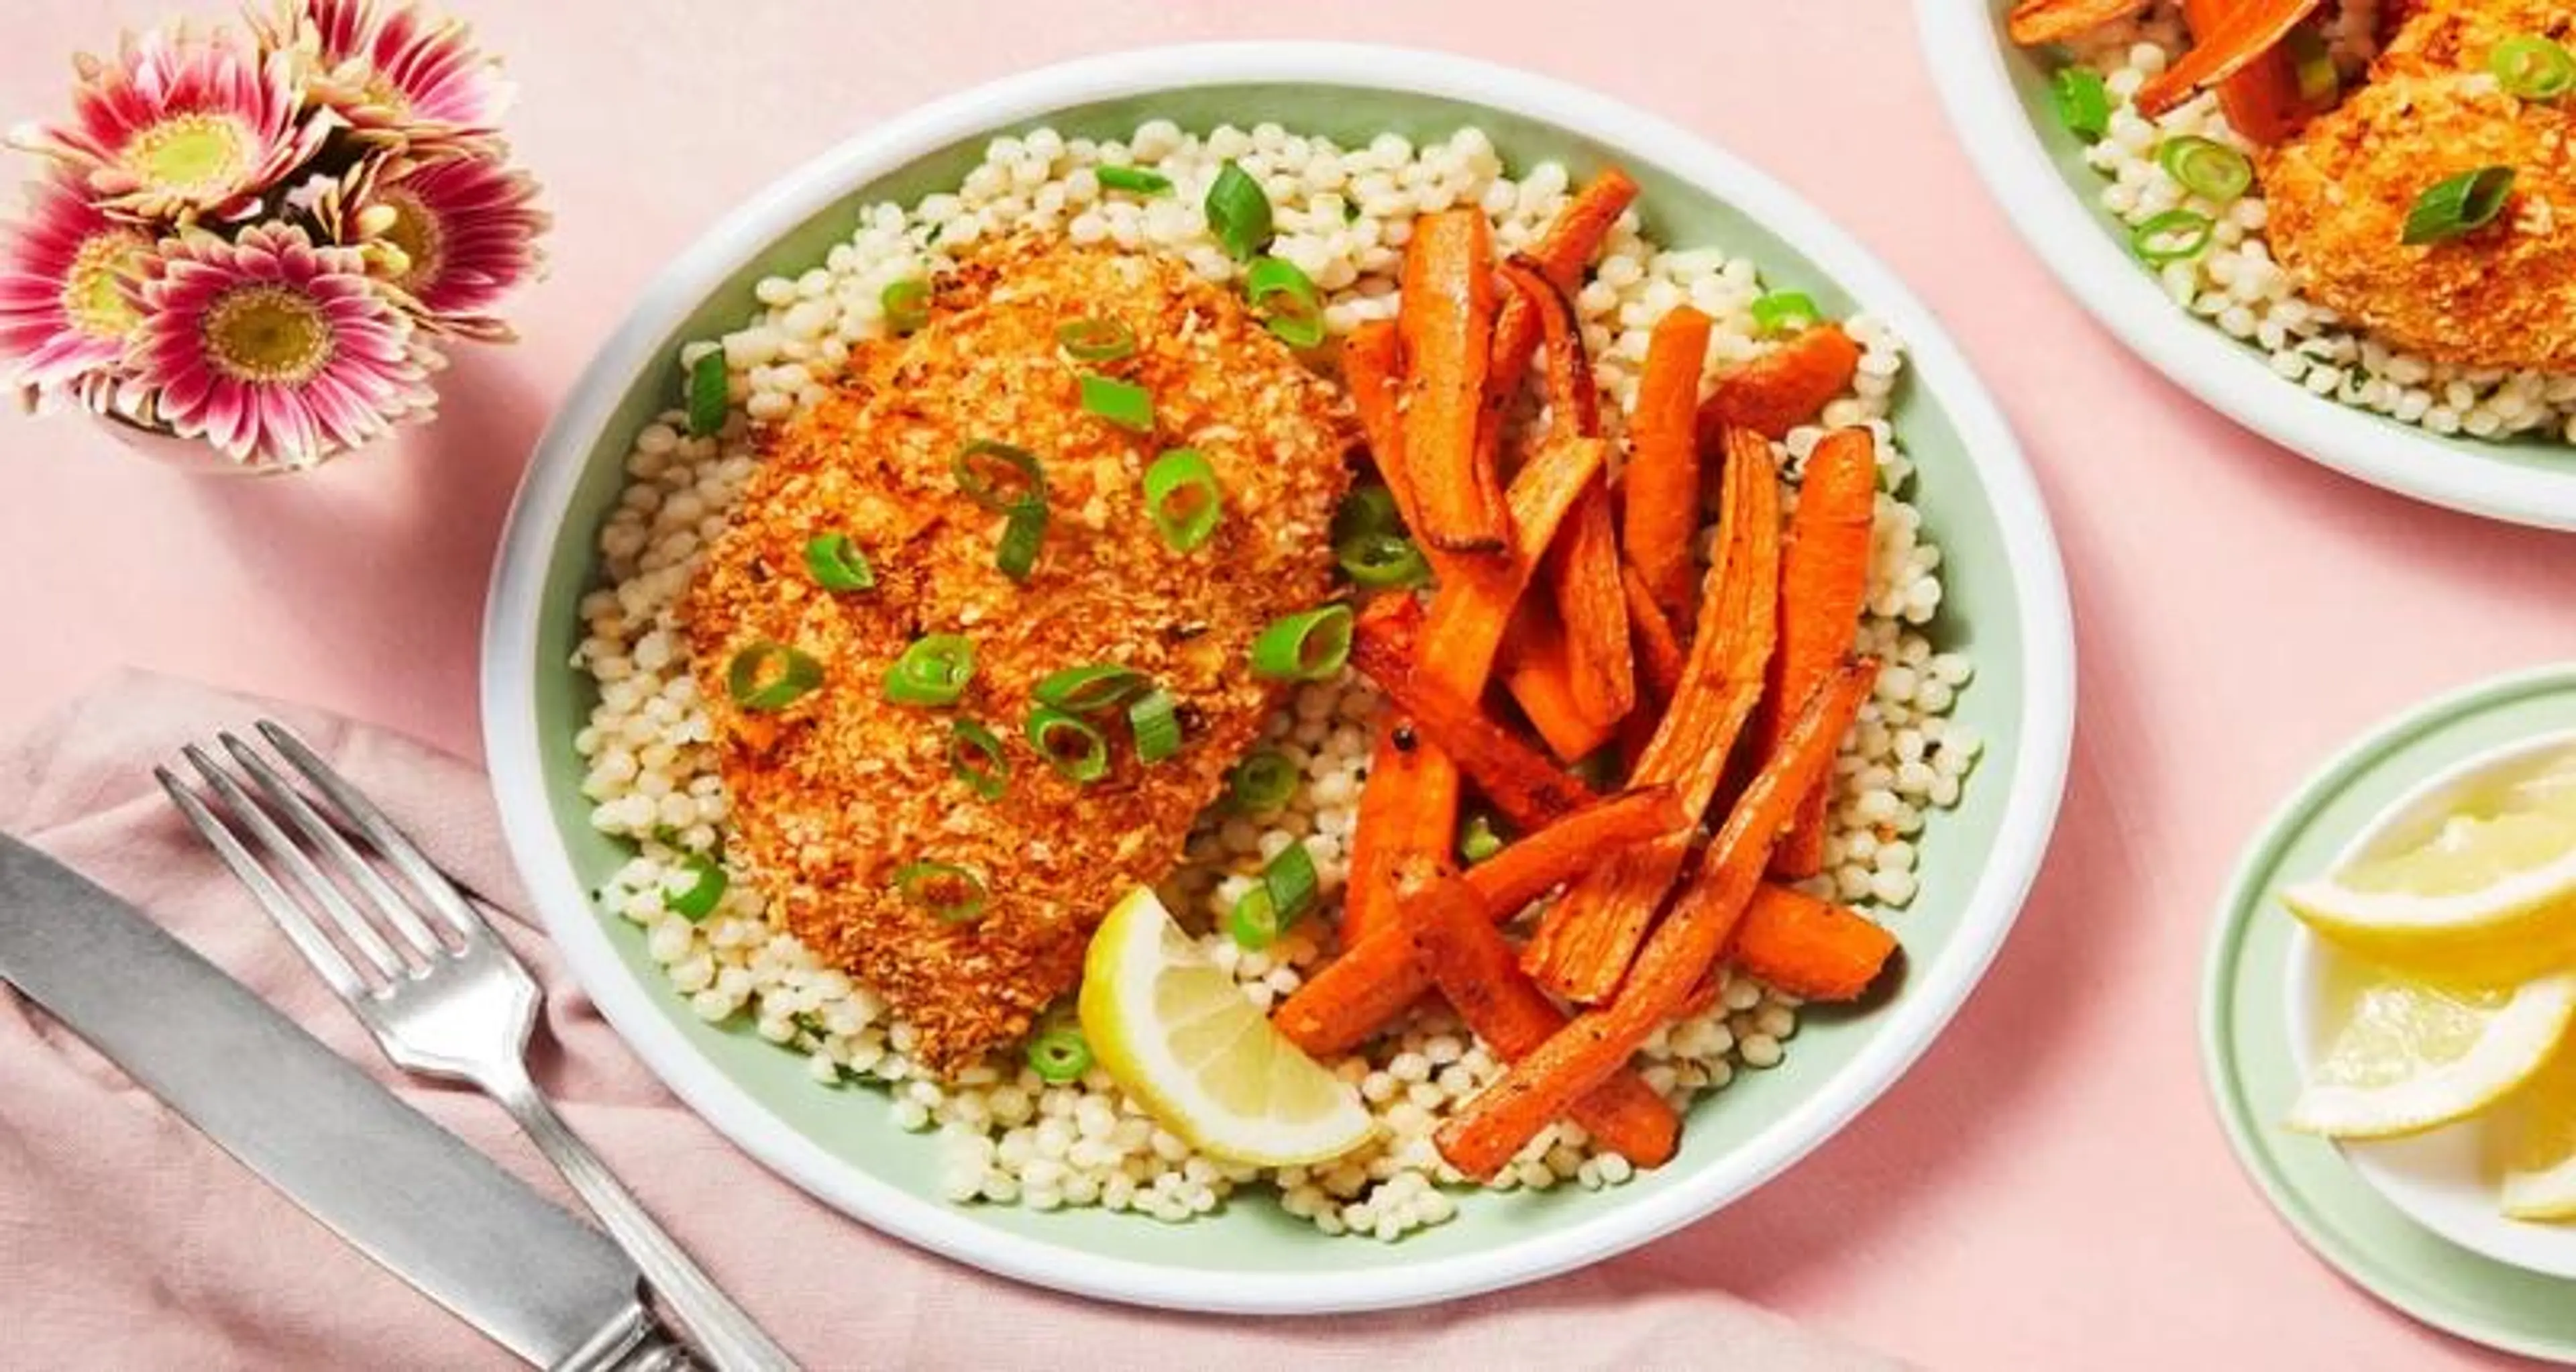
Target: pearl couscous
1342, 215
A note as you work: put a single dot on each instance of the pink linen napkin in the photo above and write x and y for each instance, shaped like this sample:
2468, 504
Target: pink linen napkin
127, 1240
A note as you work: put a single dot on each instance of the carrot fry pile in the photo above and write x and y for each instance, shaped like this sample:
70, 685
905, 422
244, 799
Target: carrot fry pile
1569, 623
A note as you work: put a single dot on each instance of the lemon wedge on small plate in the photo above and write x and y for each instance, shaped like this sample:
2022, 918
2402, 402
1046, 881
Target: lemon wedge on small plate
2415, 1055
2540, 1162
1176, 1030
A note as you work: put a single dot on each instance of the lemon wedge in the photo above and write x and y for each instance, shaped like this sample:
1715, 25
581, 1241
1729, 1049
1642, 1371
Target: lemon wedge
2485, 896
1177, 1031
2540, 1180
2413, 1055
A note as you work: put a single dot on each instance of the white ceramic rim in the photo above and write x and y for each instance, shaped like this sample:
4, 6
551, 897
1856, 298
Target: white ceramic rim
2402, 1174
1960, 41
514, 750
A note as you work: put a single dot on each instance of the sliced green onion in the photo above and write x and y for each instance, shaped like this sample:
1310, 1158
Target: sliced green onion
1479, 841
1154, 718
1183, 498
1077, 751
1090, 689
1059, 1056
1238, 212
1367, 509
1286, 893
975, 757
1133, 180
999, 477
1123, 403
707, 882
907, 304
1286, 300
2533, 68
1022, 534
1781, 311
2312, 64
952, 894
1096, 339
1261, 783
2206, 168
1382, 561
2462, 205
707, 397
933, 671
2083, 102
1254, 921
838, 566
2173, 236
770, 676
1307, 646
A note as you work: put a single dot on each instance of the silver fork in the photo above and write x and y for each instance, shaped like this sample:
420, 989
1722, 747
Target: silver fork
450, 1001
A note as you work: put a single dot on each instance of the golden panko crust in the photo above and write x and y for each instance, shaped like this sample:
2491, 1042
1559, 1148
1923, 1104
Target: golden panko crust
835, 793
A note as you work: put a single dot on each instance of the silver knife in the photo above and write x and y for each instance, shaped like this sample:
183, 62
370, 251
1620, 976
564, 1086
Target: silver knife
404, 1191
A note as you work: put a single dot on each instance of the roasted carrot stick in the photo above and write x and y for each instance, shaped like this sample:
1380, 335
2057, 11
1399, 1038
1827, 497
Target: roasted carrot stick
1376, 977
2262, 102
1824, 577
1373, 372
1658, 652
1521, 785
2250, 29
1538, 668
1546, 1083
1409, 809
2034, 22
1660, 487
1454, 938
1561, 254
1447, 327
1585, 940
1808, 947
1781, 389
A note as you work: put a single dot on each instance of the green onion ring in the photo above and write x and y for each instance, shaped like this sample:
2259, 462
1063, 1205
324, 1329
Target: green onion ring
907, 304
1287, 301
2173, 236
2083, 102
2207, 168
1022, 534
1307, 646
1382, 561
933, 671
1238, 212
1133, 180
1049, 729
838, 566
1254, 921
1090, 688
707, 882
1262, 783
1781, 311
925, 883
2459, 206
1096, 339
1183, 498
973, 468
1286, 892
2533, 68
708, 397
1059, 1056
975, 757
1367, 509
770, 676
1154, 719
1123, 403
1479, 841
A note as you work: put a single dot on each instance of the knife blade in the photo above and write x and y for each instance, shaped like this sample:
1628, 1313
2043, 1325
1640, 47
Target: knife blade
385, 1177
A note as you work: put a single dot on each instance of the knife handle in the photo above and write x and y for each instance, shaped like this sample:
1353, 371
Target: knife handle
719, 1328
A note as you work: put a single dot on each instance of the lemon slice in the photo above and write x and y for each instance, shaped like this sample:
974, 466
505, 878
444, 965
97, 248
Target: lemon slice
2489, 897
2540, 1180
2414, 1055
1175, 1029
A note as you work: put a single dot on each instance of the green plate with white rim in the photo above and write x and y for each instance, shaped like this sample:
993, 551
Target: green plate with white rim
2246, 1052
1997, 95
2005, 605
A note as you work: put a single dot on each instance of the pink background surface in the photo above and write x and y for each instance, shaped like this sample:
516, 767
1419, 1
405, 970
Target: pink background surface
2048, 1187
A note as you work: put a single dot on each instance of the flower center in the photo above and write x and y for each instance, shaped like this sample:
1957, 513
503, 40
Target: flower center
417, 232
267, 334
94, 289
379, 90
189, 152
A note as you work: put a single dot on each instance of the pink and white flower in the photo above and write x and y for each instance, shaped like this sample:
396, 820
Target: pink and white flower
178, 127
392, 73
274, 350
67, 279
454, 235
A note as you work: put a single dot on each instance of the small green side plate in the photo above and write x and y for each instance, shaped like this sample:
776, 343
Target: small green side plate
2247, 1057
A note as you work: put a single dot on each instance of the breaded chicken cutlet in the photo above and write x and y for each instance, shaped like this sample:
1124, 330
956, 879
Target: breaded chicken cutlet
842, 789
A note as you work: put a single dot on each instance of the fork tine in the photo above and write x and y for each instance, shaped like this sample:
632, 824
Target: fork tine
334, 905
425, 878
281, 907
325, 839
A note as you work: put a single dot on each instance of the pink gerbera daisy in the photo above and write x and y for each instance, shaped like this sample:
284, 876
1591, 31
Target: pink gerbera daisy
66, 287
275, 350
178, 126
463, 232
394, 74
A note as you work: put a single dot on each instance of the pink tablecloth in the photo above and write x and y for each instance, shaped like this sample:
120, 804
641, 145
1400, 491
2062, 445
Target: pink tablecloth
2048, 1187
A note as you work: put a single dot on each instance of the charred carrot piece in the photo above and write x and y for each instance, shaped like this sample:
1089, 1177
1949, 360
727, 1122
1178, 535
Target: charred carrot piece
1454, 938
1376, 977
2035, 22
2263, 101
1658, 652
1373, 372
1538, 668
1808, 947
1521, 785
1781, 389
1660, 487
1447, 329
1545, 1084
1561, 255
1584, 942
1824, 578
2249, 30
